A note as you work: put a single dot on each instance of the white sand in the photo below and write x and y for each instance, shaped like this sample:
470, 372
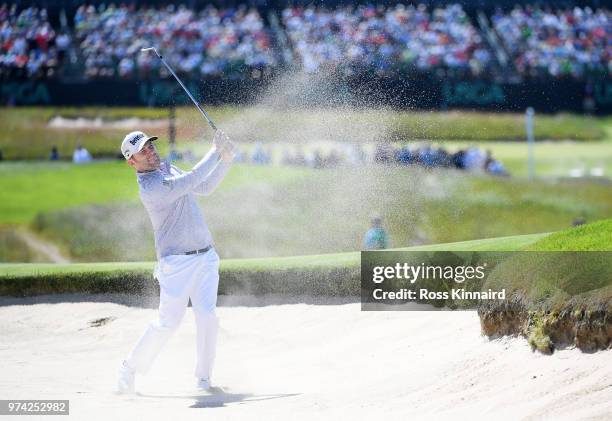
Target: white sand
298, 361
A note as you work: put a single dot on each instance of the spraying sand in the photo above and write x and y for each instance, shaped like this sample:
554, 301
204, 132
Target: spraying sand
296, 361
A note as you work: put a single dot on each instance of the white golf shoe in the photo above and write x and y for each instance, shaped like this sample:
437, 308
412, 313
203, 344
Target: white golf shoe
127, 378
204, 384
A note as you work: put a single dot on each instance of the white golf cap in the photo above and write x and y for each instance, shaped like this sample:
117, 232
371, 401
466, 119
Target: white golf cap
134, 142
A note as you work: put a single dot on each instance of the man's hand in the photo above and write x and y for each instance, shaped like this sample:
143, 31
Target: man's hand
224, 145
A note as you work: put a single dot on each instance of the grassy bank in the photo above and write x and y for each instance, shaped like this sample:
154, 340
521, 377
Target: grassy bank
351, 259
27, 135
556, 300
327, 274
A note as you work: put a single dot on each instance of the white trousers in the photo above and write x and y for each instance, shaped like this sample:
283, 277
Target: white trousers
182, 277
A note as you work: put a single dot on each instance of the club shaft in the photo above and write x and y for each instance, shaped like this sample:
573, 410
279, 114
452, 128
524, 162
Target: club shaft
204, 113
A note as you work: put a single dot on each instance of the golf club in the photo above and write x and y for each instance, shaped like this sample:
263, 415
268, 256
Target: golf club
183, 86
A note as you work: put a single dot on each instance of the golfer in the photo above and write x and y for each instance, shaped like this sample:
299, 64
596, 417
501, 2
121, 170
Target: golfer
188, 266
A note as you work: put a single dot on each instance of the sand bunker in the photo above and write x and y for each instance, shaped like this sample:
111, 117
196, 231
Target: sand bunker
60, 122
297, 361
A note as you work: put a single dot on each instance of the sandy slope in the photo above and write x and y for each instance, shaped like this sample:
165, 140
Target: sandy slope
298, 361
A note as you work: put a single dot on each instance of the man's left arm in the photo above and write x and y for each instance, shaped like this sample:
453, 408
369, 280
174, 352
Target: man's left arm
213, 179
227, 152
214, 176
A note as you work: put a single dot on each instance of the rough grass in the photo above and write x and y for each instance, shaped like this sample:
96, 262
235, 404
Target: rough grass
329, 211
496, 126
26, 135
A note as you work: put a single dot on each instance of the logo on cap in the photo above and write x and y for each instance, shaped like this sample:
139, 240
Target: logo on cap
136, 138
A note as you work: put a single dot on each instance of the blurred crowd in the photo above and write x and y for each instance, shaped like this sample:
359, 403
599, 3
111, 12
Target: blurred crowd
106, 40
208, 42
574, 42
470, 159
384, 38
29, 47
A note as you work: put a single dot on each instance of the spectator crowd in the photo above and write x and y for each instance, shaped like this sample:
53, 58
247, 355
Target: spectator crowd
106, 40
575, 42
384, 39
29, 46
208, 42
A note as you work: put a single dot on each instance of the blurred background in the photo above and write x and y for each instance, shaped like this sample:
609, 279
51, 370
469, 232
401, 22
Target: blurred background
433, 121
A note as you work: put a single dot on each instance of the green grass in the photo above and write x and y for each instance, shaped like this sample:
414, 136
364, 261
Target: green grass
26, 135
32, 188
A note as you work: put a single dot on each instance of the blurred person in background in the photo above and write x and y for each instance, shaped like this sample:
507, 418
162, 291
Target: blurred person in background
81, 155
54, 154
376, 237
